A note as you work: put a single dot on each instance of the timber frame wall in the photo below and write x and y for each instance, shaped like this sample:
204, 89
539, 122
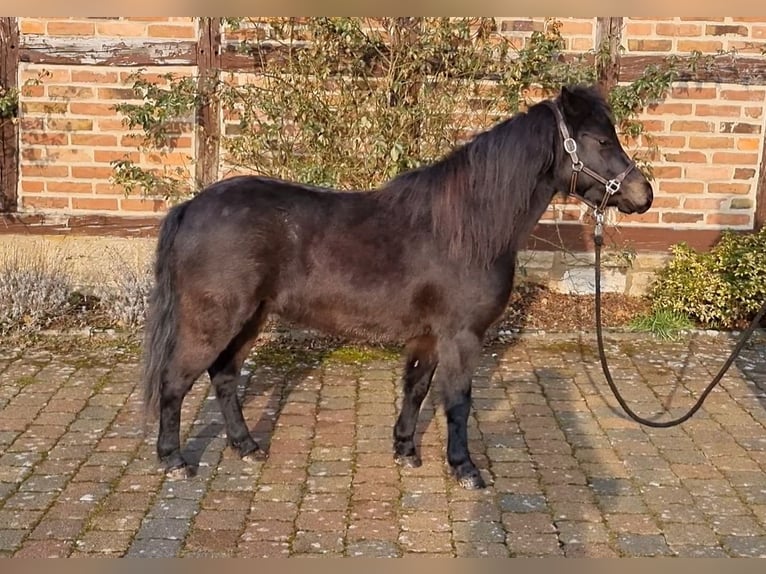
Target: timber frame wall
55, 159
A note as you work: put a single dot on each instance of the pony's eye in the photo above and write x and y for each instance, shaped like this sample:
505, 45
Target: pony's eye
603, 142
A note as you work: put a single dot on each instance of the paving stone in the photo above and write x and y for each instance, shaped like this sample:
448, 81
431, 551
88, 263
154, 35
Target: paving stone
643, 545
568, 476
746, 546
373, 549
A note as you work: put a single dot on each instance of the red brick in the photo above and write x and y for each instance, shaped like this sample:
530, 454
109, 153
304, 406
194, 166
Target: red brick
569, 27
106, 156
68, 187
743, 173
707, 172
650, 45
694, 92
743, 94
45, 138
32, 186
44, 107
92, 172
728, 219
94, 139
167, 31
172, 158
686, 157
708, 142
71, 28
108, 189
91, 76
735, 158
110, 125
40, 202
725, 30
671, 108
702, 203
729, 188
32, 91
92, 109
120, 28
701, 45
69, 92
681, 187
670, 141
665, 202
666, 172
44, 171
692, 126
154, 205
116, 94
30, 26
718, 110
676, 217
678, 29
748, 144
62, 124
94, 203
648, 217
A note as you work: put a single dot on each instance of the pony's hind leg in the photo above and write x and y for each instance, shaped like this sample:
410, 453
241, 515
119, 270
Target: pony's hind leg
175, 387
224, 374
456, 362
419, 369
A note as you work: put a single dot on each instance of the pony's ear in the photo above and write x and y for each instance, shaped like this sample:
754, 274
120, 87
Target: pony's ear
574, 104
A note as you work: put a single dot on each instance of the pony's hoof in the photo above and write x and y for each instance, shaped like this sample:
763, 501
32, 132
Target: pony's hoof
408, 461
179, 473
255, 456
469, 478
474, 482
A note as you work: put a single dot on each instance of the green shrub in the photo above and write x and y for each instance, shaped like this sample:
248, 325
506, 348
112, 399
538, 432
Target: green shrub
721, 288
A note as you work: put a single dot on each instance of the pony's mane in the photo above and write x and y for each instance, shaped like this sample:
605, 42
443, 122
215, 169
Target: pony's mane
480, 196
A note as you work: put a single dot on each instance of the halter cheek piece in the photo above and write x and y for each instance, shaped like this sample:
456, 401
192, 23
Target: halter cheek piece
570, 146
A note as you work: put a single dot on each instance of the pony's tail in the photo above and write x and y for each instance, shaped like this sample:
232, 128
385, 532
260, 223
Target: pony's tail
161, 320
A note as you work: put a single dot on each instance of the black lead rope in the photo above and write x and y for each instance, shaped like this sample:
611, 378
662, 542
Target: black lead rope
598, 240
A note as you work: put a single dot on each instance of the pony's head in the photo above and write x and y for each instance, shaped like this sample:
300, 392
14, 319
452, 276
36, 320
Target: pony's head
594, 166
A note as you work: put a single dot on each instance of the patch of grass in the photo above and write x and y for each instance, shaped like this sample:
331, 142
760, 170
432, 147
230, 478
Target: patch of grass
277, 355
362, 354
25, 381
663, 324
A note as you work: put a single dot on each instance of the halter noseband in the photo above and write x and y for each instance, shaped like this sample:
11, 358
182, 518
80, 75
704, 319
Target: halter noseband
612, 186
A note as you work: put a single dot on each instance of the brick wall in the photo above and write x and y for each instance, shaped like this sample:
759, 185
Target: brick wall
709, 134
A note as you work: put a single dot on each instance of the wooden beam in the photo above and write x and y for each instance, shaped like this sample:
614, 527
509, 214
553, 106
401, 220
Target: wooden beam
208, 113
9, 132
726, 69
760, 193
577, 237
608, 36
38, 49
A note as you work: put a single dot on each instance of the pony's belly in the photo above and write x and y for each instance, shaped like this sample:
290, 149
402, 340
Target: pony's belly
367, 317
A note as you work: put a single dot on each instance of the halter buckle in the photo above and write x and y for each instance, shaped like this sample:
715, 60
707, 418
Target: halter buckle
613, 186
599, 227
570, 146
577, 166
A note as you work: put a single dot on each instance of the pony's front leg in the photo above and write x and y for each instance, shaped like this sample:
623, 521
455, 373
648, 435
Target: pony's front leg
457, 358
418, 372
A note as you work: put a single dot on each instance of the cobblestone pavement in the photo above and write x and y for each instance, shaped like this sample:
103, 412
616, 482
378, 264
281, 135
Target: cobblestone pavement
568, 474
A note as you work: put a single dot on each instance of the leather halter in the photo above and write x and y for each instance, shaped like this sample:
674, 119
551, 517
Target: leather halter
611, 186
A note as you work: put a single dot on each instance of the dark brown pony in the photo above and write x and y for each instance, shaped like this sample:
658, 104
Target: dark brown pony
426, 259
